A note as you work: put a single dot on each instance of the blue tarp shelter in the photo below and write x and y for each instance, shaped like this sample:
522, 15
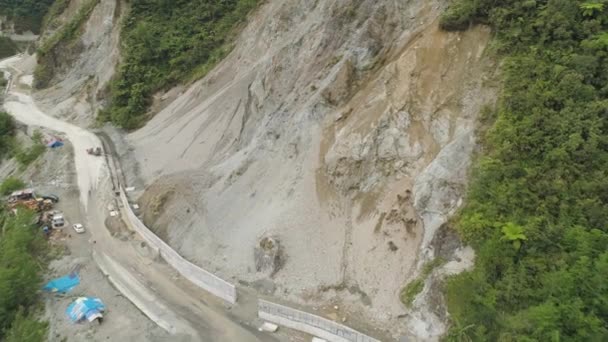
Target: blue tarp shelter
89, 308
54, 143
64, 284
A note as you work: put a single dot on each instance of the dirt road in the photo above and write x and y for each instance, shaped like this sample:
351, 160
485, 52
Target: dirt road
186, 312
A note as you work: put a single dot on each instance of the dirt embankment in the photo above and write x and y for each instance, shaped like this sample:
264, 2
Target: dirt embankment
340, 129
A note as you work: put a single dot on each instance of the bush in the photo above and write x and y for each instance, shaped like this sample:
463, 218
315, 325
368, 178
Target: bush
11, 184
411, 290
7, 133
7, 47
22, 253
27, 15
27, 329
459, 16
26, 156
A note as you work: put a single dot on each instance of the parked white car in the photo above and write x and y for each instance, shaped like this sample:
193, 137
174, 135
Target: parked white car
79, 228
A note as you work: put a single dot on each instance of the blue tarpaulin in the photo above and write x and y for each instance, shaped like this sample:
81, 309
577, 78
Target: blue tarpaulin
63, 284
89, 308
54, 143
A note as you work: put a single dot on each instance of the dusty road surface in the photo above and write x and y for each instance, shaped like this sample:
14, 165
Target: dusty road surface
177, 306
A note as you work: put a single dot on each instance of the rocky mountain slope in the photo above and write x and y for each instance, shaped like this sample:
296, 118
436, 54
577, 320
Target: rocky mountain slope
335, 140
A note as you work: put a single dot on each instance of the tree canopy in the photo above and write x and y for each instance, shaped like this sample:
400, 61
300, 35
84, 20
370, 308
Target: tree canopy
541, 182
25, 14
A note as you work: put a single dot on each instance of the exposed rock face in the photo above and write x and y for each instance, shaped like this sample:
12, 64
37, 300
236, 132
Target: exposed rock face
342, 128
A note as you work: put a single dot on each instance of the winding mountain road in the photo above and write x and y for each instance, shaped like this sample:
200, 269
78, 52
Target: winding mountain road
174, 304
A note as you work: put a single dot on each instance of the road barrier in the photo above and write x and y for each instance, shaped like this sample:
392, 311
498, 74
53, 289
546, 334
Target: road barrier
204, 279
309, 323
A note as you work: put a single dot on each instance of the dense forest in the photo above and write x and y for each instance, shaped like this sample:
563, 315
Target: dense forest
25, 14
22, 258
537, 211
165, 42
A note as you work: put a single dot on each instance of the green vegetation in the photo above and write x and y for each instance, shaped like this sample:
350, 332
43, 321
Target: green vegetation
411, 290
25, 156
7, 47
166, 42
70, 31
22, 259
27, 329
61, 40
11, 184
25, 14
7, 132
10, 147
537, 211
56, 9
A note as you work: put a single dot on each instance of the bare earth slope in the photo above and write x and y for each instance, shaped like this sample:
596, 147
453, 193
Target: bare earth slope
344, 130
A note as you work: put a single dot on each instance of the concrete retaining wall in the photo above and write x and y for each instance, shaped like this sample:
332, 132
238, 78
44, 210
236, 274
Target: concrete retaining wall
204, 279
309, 323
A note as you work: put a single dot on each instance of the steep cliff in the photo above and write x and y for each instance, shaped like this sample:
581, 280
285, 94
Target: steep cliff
340, 130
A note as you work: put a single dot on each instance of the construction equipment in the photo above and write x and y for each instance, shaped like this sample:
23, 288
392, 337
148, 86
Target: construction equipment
34, 204
94, 151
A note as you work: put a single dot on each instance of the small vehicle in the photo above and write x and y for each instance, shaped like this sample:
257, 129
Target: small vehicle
94, 151
79, 228
51, 197
58, 221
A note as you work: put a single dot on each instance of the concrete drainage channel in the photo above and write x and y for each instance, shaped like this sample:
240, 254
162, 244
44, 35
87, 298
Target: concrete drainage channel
275, 313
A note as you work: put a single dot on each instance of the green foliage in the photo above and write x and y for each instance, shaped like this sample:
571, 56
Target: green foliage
22, 250
411, 290
542, 180
460, 15
11, 184
7, 47
56, 9
26, 14
166, 42
70, 31
27, 329
54, 48
25, 156
514, 233
7, 132
592, 8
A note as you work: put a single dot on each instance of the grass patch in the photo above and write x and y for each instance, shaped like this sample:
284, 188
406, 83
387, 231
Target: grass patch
411, 290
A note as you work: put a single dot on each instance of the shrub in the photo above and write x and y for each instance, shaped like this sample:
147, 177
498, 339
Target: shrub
27, 15
459, 16
11, 184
